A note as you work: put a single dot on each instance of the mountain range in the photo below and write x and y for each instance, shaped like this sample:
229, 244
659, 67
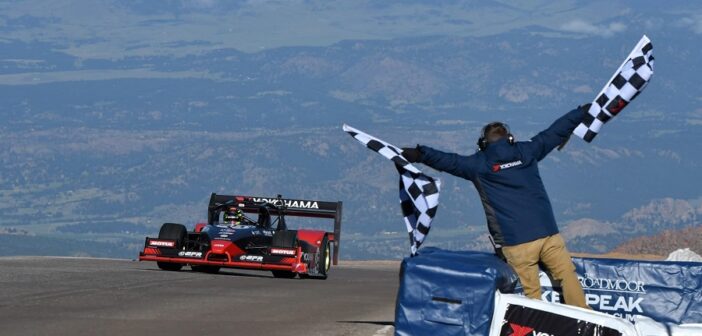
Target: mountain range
113, 125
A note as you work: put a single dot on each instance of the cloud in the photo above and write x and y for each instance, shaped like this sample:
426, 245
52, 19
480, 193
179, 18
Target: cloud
201, 3
583, 89
582, 27
692, 22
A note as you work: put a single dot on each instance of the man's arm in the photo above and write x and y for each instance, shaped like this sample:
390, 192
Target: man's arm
544, 142
454, 164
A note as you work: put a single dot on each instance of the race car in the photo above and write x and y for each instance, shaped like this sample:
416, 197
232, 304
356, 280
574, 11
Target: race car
237, 241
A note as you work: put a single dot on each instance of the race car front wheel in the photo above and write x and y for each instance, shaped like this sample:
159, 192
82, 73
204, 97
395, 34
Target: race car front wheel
166, 266
176, 232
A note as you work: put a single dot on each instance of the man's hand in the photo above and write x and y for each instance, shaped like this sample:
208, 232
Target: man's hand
584, 108
412, 154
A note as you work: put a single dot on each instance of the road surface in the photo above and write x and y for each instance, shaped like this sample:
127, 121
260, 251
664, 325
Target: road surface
79, 296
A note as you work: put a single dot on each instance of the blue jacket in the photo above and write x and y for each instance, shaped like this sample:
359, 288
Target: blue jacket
507, 178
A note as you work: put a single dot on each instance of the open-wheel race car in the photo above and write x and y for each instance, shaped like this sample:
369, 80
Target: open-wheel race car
231, 239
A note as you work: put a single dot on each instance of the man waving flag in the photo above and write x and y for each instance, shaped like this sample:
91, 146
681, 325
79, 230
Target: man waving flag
419, 193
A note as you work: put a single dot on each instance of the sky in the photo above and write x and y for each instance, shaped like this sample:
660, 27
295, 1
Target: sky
115, 29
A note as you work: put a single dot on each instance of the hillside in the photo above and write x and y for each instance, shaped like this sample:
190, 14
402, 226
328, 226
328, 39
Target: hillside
107, 135
664, 243
653, 218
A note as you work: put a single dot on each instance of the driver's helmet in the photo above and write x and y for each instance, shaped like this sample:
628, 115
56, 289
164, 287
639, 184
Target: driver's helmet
233, 216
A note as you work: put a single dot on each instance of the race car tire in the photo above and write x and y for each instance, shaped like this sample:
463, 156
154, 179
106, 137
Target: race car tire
284, 238
176, 232
205, 269
323, 263
324, 260
166, 266
283, 274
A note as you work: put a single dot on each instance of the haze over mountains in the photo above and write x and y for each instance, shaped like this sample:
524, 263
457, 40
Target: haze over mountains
117, 118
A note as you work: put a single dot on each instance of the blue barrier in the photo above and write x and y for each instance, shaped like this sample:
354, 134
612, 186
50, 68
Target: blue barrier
452, 292
449, 291
665, 291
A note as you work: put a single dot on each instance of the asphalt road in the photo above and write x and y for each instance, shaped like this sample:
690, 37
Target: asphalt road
77, 296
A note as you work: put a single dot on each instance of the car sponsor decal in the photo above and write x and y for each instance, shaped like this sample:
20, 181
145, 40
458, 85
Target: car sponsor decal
251, 258
311, 259
162, 243
280, 251
189, 254
299, 204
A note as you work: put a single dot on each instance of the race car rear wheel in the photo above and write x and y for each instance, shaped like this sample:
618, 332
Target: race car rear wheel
283, 274
324, 260
176, 232
323, 263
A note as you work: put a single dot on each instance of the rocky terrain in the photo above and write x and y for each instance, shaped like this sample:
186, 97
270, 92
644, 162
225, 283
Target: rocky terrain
665, 242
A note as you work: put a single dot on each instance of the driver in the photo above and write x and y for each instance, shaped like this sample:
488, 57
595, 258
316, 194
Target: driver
233, 216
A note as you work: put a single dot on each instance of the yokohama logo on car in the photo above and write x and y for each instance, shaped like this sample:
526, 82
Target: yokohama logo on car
289, 203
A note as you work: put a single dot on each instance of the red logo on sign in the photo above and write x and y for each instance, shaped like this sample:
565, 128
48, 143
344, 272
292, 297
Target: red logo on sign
518, 330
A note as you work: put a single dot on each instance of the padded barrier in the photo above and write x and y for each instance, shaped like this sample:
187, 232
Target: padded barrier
449, 293
666, 291
458, 293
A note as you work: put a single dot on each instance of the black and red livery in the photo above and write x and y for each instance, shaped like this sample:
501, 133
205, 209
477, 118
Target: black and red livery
263, 244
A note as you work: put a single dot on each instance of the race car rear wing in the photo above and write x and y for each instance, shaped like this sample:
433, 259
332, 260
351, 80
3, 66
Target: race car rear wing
285, 206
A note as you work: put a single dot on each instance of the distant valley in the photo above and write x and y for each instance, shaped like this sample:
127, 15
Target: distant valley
96, 153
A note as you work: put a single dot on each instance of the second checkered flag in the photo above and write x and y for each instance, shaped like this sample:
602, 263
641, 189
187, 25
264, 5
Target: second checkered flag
628, 81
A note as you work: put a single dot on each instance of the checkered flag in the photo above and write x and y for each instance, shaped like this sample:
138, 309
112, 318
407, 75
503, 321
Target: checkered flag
628, 81
419, 193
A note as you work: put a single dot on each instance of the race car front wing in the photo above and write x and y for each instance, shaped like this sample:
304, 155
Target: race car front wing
284, 259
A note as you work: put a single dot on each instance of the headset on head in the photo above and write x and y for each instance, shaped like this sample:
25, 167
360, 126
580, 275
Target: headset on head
483, 142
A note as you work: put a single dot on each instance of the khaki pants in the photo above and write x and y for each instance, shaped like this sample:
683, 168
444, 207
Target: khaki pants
552, 253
